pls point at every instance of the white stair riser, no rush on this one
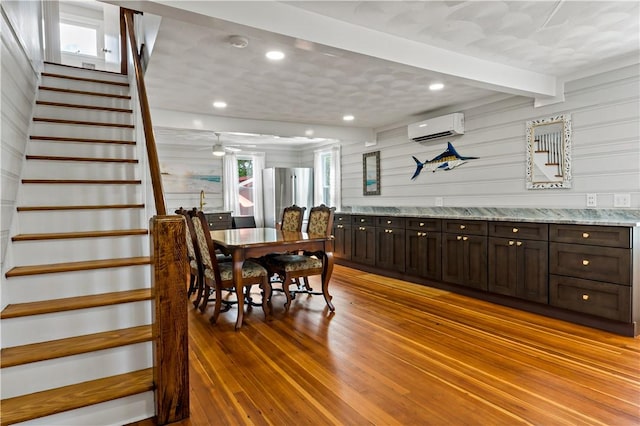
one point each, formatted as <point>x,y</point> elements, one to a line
<point>79,249</point>
<point>79,99</point>
<point>115,413</point>
<point>81,149</point>
<point>85,73</point>
<point>46,169</point>
<point>81,131</point>
<point>79,194</point>
<point>43,375</point>
<point>60,325</point>
<point>83,114</point>
<point>34,288</point>
<point>85,86</point>
<point>33,222</point>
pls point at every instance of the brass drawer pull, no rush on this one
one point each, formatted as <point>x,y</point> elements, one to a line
<point>585,235</point>
<point>511,243</point>
<point>421,223</point>
<point>585,297</point>
<point>465,238</point>
<point>462,226</point>
<point>514,230</point>
<point>519,243</point>
<point>362,228</point>
<point>340,226</point>
<point>388,222</point>
<point>585,262</point>
<point>219,217</point>
<point>362,220</point>
<point>459,237</point>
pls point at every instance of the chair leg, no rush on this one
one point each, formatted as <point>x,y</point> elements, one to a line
<point>201,289</point>
<point>286,282</point>
<point>306,284</point>
<point>192,284</point>
<point>266,297</point>
<point>205,298</point>
<point>217,304</point>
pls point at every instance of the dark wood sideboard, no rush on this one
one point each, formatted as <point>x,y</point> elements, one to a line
<point>586,274</point>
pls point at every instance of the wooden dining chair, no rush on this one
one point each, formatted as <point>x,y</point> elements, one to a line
<point>195,265</point>
<point>292,218</point>
<point>290,267</point>
<point>219,275</point>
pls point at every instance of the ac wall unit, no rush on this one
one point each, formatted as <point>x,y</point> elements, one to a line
<point>438,127</point>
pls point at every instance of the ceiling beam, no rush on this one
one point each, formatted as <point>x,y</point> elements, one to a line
<point>298,23</point>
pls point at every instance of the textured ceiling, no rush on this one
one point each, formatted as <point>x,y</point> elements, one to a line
<point>193,64</point>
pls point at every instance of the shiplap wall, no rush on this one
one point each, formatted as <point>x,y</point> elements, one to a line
<point>21,56</point>
<point>196,158</point>
<point>605,154</point>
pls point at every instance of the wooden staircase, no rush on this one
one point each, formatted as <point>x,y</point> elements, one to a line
<point>76,311</point>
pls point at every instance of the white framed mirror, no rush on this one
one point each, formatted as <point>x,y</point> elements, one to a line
<point>549,152</point>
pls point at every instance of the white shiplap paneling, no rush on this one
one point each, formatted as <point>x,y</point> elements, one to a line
<point>605,156</point>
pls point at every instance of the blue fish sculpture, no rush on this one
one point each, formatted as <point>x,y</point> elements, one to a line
<point>448,160</point>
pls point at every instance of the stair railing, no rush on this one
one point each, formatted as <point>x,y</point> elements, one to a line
<point>169,271</point>
<point>152,151</point>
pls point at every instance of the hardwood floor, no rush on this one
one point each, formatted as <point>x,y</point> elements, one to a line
<point>397,353</point>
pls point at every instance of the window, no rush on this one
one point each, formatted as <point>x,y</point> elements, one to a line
<point>245,186</point>
<point>78,39</point>
<point>326,178</point>
<point>326,164</point>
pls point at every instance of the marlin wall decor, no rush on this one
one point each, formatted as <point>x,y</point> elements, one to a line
<point>448,160</point>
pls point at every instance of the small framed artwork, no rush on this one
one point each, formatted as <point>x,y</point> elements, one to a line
<point>371,173</point>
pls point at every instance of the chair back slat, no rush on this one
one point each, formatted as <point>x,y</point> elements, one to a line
<point>191,250</point>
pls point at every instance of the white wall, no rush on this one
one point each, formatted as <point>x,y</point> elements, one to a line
<point>605,155</point>
<point>21,59</point>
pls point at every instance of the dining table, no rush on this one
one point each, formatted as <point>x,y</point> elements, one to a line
<point>246,243</point>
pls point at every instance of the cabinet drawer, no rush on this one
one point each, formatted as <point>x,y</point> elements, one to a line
<point>523,230</point>
<point>363,220</point>
<point>609,236</point>
<point>423,224</point>
<point>591,262</point>
<point>218,221</point>
<point>342,218</point>
<point>471,227</point>
<point>591,297</point>
<point>390,222</point>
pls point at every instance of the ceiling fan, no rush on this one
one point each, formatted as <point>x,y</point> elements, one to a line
<point>220,150</point>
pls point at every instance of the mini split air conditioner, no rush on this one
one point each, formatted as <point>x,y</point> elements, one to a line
<point>438,127</point>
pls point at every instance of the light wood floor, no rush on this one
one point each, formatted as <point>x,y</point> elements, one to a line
<point>396,353</point>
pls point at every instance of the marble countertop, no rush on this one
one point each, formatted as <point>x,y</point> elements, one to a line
<point>608,217</point>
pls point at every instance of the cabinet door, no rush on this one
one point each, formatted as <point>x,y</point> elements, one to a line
<point>342,241</point>
<point>364,245</point>
<point>533,270</point>
<point>452,258</point>
<point>475,261</point>
<point>422,254</point>
<point>503,273</point>
<point>390,244</point>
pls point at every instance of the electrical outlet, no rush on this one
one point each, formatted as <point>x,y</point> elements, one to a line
<point>592,200</point>
<point>439,201</point>
<point>621,200</point>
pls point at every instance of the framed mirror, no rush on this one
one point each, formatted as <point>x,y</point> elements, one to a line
<point>371,173</point>
<point>549,152</point>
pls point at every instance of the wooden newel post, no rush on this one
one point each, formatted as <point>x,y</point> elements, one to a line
<point>170,268</point>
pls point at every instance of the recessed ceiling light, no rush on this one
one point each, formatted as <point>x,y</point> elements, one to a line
<point>308,132</point>
<point>219,104</point>
<point>348,118</point>
<point>436,86</point>
<point>275,55</point>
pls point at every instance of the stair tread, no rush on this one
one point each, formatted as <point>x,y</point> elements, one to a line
<point>88,80</point>
<point>45,403</point>
<point>79,106</point>
<point>88,70</point>
<point>87,181</point>
<point>93,159</point>
<point>83,234</point>
<point>42,351</point>
<point>84,92</point>
<point>77,266</point>
<point>81,123</point>
<point>66,139</point>
<point>16,310</point>
<point>83,207</point>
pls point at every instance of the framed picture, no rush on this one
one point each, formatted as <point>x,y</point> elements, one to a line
<point>371,173</point>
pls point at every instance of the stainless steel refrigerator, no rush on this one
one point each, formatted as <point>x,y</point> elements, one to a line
<point>284,187</point>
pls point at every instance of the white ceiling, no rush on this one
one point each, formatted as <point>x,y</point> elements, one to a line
<point>491,49</point>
